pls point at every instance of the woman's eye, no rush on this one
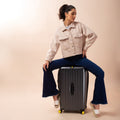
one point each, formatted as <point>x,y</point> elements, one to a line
<point>73,13</point>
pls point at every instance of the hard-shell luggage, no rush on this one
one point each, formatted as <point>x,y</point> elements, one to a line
<point>73,87</point>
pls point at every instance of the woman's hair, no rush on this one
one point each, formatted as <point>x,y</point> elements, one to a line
<point>65,8</point>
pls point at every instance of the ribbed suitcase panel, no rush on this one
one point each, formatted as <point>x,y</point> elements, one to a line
<point>73,85</point>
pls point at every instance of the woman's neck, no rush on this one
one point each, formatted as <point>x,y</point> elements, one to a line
<point>67,23</point>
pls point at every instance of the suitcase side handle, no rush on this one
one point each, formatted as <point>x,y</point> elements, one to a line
<point>71,89</point>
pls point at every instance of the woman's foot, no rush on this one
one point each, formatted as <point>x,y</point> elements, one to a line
<point>56,100</point>
<point>95,108</point>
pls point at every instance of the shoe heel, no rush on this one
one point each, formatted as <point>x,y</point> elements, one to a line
<point>96,112</point>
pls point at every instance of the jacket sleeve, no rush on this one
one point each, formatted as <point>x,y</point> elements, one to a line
<point>90,36</point>
<point>53,48</point>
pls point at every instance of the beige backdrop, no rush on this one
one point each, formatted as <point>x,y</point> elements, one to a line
<point>26,28</point>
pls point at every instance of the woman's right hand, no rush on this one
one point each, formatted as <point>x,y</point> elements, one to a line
<point>46,64</point>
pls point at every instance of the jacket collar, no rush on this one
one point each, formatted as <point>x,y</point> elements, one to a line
<point>63,27</point>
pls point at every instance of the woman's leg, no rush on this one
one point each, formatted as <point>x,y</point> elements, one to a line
<point>99,96</point>
<point>49,85</point>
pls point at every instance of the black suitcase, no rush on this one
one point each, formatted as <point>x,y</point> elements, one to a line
<point>73,87</point>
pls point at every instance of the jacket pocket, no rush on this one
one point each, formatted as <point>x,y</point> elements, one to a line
<point>61,38</point>
<point>64,41</point>
<point>78,39</point>
<point>78,35</point>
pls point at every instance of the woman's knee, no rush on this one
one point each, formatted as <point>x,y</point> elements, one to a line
<point>51,64</point>
<point>49,67</point>
<point>56,64</point>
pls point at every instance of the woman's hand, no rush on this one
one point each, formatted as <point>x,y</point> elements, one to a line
<point>84,53</point>
<point>46,64</point>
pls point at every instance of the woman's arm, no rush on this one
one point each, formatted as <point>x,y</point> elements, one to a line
<point>90,36</point>
<point>53,48</point>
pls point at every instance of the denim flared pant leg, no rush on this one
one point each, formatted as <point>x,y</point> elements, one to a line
<point>49,85</point>
<point>99,95</point>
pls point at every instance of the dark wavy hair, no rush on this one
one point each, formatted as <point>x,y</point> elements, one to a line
<point>65,8</point>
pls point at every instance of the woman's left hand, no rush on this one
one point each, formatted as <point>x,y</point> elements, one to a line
<point>84,53</point>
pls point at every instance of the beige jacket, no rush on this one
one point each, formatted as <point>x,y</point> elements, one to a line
<point>72,41</point>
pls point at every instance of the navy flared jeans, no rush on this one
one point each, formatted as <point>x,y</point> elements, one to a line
<point>49,85</point>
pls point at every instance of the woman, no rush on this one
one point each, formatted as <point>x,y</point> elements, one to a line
<point>74,38</point>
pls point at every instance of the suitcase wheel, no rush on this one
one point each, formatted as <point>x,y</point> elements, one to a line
<point>83,112</point>
<point>60,111</point>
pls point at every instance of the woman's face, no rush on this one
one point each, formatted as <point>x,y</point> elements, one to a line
<point>71,15</point>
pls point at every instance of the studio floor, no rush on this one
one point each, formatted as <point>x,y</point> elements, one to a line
<point>24,102</point>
